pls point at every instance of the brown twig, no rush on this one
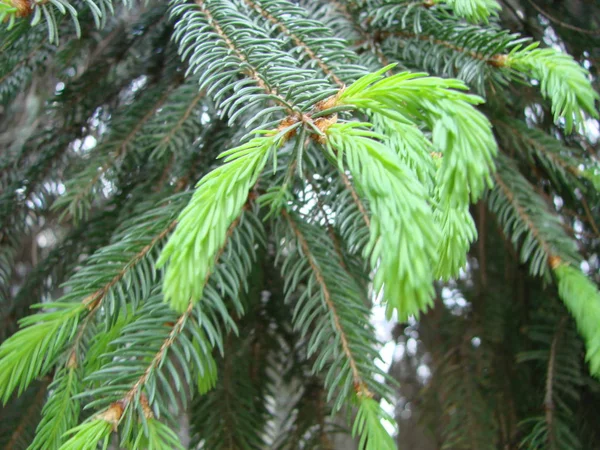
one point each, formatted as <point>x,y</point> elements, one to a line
<point>560,22</point>
<point>497,60</point>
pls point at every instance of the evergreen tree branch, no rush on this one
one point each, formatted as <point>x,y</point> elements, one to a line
<point>582,299</point>
<point>359,384</point>
<point>248,68</point>
<point>350,370</point>
<point>48,333</point>
<point>279,22</point>
<point>81,189</point>
<point>219,198</point>
<point>356,199</point>
<point>528,222</point>
<point>61,411</point>
<point>550,380</point>
<point>195,327</point>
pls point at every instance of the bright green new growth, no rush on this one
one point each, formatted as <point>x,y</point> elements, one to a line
<point>61,410</point>
<point>202,226</point>
<point>89,435</point>
<point>457,234</point>
<point>459,131</point>
<point>474,10</point>
<point>582,299</point>
<point>562,80</point>
<point>31,351</point>
<point>402,219</point>
<point>159,436</point>
<point>369,425</point>
<point>411,145</point>
<point>465,141</point>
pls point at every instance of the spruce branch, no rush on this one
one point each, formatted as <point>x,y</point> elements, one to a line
<point>401,218</point>
<point>221,55</point>
<point>561,162</point>
<point>558,348</point>
<point>527,221</point>
<point>42,334</point>
<point>562,80</point>
<point>494,60</point>
<point>203,224</point>
<point>549,405</point>
<point>81,189</point>
<point>189,336</point>
<point>248,68</point>
<point>457,127</point>
<point>359,385</point>
<point>472,10</point>
<point>47,10</point>
<point>582,299</point>
<point>324,310</point>
<point>62,408</point>
<point>47,334</point>
<point>273,9</point>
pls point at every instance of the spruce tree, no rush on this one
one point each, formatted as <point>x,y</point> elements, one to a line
<point>206,205</point>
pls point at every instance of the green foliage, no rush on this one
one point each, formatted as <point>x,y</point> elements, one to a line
<point>562,80</point>
<point>457,128</point>
<point>51,13</point>
<point>561,163</point>
<point>534,230</point>
<point>61,411</point>
<point>89,435</point>
<point>203,224</point>
<point>32,351</point>
<point>401,219</point>
<point>474,10</point>
<point>347,189</point>
<point>558,348</point>
<point>157,436</point>
<point>350,367</point>
<point>458,233</point>
<point>582,299</point>
<point>369,425</point>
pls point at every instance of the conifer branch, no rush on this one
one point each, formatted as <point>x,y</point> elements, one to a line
<point>306,48</point>
<point>248,69</point>
<point>370,39</point>
<point>495,60</point>
<point>82,192</point>
<point>550,381</point>
<point>356,199</point>
<point>93,302</point>
<point>523,215</point>
<point>359,385</point>
<point>177,126</point>
<point>177,328</point>
<point>330,229</point>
